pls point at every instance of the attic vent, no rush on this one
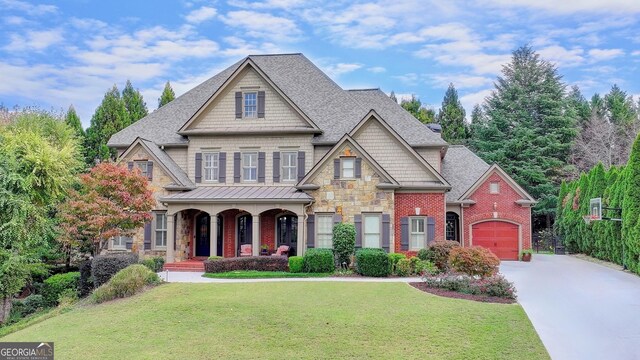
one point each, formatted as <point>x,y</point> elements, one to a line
<point>436,128</point>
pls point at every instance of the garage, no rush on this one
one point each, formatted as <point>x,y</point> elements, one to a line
<point>498,236</point>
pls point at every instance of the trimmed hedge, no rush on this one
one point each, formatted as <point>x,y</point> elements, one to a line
<point>344,242</point>
<point>319,261</point>
<point>474,260</point>
<point>154,264</point>
<point>258,263</point>
<point>85,284</point>
<point>296,264</point>
<point>126,282</point>
<point>372,262</point>
<point>103,267</point>
<point>57,284</point>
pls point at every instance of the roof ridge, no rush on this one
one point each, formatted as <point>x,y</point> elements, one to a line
<point>279,54</point>
<point>365,89</point>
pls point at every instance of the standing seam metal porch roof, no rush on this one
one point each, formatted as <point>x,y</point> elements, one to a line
<point>240,194</point>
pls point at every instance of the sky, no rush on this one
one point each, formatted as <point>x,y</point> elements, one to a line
<point>57,53</point>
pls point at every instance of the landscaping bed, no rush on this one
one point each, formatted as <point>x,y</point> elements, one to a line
<point>458,295</point>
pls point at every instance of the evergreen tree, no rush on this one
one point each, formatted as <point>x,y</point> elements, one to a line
<point>167,95</point>
<point>619,106</point>
<point>110,117</point>
<point>578,105</point>
<point>414,106</point>
<point>73,121</point>
<point>597,105</point>
<point>393,97</point>
<point>134,103</point>
<point>631,211</point>
<point>451,117</point>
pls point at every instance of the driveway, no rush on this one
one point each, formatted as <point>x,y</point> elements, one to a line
<point>580,309</point>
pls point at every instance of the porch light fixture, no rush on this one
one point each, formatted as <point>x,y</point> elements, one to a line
<point>417,211</point>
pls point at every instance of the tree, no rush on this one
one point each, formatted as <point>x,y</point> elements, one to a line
<point>393,97</point>
<point>167,95</point>
<point>414,106</point>
<point>73,121</point>
<point>578,105</point>
<point>134,103</point>
<point>631,211</point>
<point>110,117</point>
<point>452,117</point>
<point>111,201</point>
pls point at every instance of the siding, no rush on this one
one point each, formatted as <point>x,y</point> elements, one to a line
<point>179,156</point>
<point>433,157</point>
<point>319,152</point>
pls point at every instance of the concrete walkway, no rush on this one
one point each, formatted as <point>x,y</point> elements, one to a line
<point>196,277</point>
<point>580,309</point>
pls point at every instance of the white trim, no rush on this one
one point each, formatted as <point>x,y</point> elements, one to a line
<point>242,166</point>
<point>317,215</point>
<point>244,104</point>
<point>497,169</point>
<point>424,231</point>
<point>295,166</point>
<point>364,232</point>
<point>216,169</point>
<point>353,161</point>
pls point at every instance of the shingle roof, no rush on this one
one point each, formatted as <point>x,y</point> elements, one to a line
<point>462,168</point>
<point>174,169</point>
<point>240,193</point>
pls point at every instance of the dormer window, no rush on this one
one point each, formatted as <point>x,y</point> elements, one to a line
<point>250,102</point>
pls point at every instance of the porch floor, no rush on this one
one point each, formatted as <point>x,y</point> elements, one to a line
<point>187,265</point>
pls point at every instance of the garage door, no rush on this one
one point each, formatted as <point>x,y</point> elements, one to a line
<point>499,237</point>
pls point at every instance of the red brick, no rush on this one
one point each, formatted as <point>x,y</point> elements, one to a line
<point>430,204</point>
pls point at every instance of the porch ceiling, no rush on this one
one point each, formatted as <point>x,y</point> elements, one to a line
<point>239,194</point>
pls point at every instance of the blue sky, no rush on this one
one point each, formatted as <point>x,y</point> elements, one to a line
<point>57,53</point>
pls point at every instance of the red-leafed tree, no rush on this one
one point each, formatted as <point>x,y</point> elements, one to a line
<point>111,201</point>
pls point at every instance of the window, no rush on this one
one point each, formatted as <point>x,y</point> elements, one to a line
<point>120,242</point>
<point>348,165</point>
<point>250,166</point>
<point>250,105</point>
<point>161,230</point>
<point>418,235</point>
<point>494,188</point>
<point>371,231</point>
<point>143,166</point>
<point>451,227</point>
<point>211,166</point>
<point>289,165</point>
<point>324,232</point>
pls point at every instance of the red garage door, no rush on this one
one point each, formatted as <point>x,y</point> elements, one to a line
<point>498,236</point>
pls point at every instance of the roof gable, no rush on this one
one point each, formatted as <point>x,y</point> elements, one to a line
<point>462,168</point>
<point>496,169</point>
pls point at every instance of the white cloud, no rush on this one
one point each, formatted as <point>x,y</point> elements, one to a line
<point>574,6</point>
<point>31,9</point>
<point>604,54</point>
<point>376,69</point>
<point>202,14</point>
<point>562,56</point>
<point>636,53</point>
<point>408,78</point>
<point>34,40</point>
<point>270,4</point>
<point>460,81</point>
<point>470,100</point>
<point>263,25</point>
<point>14,20</point>
<point>340,68</point>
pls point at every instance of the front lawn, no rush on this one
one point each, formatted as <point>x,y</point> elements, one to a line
<point>289,320</point>
<point>253,274</point>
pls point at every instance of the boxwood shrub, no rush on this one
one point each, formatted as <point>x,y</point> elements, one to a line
<point>372,262</point>
<point>318,261</point>
<point>258,263</point>
<point>296,264</point>
<point>154,264</point>
<point>57,284</point>
<point>126,282</point>
<point>103,267</point>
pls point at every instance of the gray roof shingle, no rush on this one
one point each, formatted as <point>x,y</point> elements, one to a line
<point>462,168</point>
<point>173,168</point>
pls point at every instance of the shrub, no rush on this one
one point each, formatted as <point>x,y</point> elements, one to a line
<point>296,264</point>
<point>318,261</point>
<point>403,267</point>
<point>103,267</point>
<point>126,282</point>
<point>85,285</point>
<point>258,263</point>
<point>424,267</point>
<point>344,242</point>
<point>474,260</point>
<point>214,258</point>
<point>495,285</point>
<point>423,254</point>
<point>27,306</point>
<point>56,284</point>
<point>449,281</point>
<point>372,262</point>
<point>67,297</point>
<point>393,260</point>
<point>438,253</point>
<point>155,264</point>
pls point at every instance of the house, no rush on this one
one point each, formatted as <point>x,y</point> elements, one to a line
<point>272,152</point>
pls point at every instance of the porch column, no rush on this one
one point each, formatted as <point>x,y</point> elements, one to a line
<point>170,239</point>
<point>255,240</point>
<point>213,235</point>
<point>302,243</point>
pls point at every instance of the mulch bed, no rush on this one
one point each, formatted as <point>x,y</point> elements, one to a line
<point>456,295</point>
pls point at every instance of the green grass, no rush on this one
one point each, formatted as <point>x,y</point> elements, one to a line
<point>253,274</point>
<point>289,320</point>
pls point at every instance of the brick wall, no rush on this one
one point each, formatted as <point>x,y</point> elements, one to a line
<point>268,228</point>
<point>430,204</point>
<point>229,232</point>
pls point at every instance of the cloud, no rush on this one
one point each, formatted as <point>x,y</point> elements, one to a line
<point>376,69</point>
<point>262,25</point>
<point>460,81</point>
<point>604,54</point>
<point>411,79</point>
<point>34,40</point>
<point>471,99</point>
<point>270,4</point>
<point>202,14</point>
<point>636,53</point>
<point>573,6</point>
<point>560,55</point>
<point>340,68</point>
<point>31,9</point>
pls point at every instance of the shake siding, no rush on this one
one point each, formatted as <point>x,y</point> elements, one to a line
<point>222,113</point>
<point>433,157</point>
<point>319,152</point>
<point>179,156</point>
<point>267,144</point>
<point>391,155</point>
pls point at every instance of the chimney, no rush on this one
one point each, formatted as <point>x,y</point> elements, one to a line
<point>436,128</point>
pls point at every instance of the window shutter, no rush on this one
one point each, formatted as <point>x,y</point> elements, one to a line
<point>301,169</point>
<point>222,167</point>
<point>386,231</point>
<point>261,166</point>
<point>260,104</point>
<point>358,168</point>
<point>198,167</point>
<point>236,167</point>
<point>147,235</point>
<point>130,165</point>
<point>337,219</point>
<point>404,233</point>
<point>238,104</point>
<point>431,229</point>
<point>311,231</point>
<point>276,166</point>
<point>129,244</point>
<point>357,220</point>
<point>150,170</point>
<point>336,168</point>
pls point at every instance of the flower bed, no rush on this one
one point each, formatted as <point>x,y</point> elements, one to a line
<point>492,286</point>
<point>458,295</point>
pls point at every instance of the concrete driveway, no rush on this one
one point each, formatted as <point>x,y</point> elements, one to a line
<point>580,309</point>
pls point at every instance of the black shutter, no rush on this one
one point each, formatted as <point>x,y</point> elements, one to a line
<point>147,235</point>
<point>276,166</point>
<point>261,166</point>
<point>236,167</point>
<point>311,231</point>
<point>357,220</point>
<point>222,169</point>
<point>336,168</point>
<point>260,104</point>
<point>238,105</point>
<point>130,165</point>
<point>198,167</point>
<point>301,169</point>
<point>150,170</point>
<point>431,229</point>
<point>404,233</point>
<point>386,231</point>
<point>358,168</point>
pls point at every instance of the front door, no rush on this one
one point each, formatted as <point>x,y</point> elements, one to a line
<point>287,232</point>
<point>203,241</point>
<point>245,233</point>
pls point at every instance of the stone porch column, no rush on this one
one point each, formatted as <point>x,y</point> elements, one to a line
<point>255,230</point>
<point>213,235</point>
<point>170,239</point>
<point>301,240</point>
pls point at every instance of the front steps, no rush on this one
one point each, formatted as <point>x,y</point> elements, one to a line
<point>189,265</point>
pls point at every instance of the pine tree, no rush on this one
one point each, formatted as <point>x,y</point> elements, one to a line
<point>578,105</point>
<point>72,119</point>
<point>110,117</point>
<point>451,117</point>
<point>631,211</point>
<point>393,97</point>
<point>414,106</point>
<point>167,95</point>
<point>134,103</point>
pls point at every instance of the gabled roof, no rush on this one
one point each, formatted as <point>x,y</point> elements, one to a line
<point>495,168</point>
<point>331,154</point>
<point>181,180</point>
<point>462,168</point>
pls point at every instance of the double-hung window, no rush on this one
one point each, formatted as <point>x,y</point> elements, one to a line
<point>250,104</point>
<point>371,225</point>
<point>143,166</point>
<point>418,235</point>
<point>120,242</point>
<point>347,166</point>
<point>289,165</point>
<point>161,230</point>
<point>250,166</point>
<point>211,167</point>
<point>324,231</point>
